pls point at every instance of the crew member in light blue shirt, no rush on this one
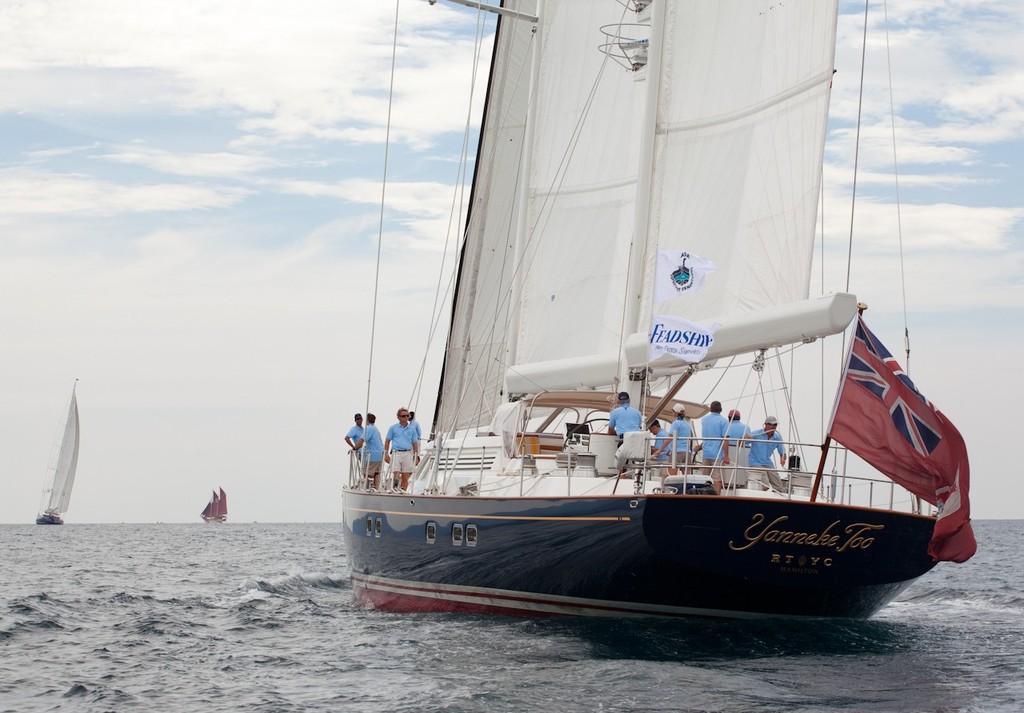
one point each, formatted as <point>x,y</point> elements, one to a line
<point>661,443</point>
<point>713,427</point>
<point>734,450</point>
<point>415,424</point>
<point>373,451</point>
<point>624,418</point>
<point>682,431</point>
<point>736,430</point>
<point>355,433</point>
<point>764,442</point>
<point>659,451</point>
<point>402,442</point>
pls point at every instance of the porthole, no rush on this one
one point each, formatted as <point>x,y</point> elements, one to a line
<point>471,535</point>
<point>457,534</point>
<point>431,532</point>
<point>369,526</point>
<point>378,527</point>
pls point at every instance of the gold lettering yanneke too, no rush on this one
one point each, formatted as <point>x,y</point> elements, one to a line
<point>855,536</point>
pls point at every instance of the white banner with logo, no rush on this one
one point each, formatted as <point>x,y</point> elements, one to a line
<point>677,273</point>
<point>679,338</point>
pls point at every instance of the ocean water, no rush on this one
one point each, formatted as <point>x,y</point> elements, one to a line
<point>260,617</point>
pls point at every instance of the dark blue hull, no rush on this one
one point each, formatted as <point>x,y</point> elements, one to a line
<point>49,519</point>
<point>659,555</point>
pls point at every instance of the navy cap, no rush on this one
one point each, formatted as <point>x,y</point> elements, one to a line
<point>359,417</point>
<point>623,396</point>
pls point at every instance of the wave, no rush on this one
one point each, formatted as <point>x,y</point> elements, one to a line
<point>999,601</point>
<point>294,584</point>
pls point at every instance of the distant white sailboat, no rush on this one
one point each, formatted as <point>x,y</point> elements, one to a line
<point>59,481</point>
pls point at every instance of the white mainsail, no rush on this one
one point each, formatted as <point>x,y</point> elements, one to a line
<point>714,147</point>
<point>67,464</point>
<point>740,133</point>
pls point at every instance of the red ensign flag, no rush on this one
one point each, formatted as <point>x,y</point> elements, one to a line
<point>882,417</point>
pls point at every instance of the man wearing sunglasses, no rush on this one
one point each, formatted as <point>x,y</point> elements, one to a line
<point>402,442</point>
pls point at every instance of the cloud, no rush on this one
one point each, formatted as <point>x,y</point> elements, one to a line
<point>26,191</point>
<point>322,72</point>
<point>221,164</point>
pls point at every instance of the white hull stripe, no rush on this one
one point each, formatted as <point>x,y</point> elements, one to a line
<point>530,602</point>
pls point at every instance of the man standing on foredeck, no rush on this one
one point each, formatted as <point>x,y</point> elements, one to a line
<point>354,434</point>
<point>403,442</point>
<point>373,449</point>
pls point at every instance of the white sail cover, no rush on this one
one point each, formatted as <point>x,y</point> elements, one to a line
<point>738,117</point>
<point>67,463</point>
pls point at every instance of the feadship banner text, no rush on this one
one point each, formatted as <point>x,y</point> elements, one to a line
<point>680,338</point>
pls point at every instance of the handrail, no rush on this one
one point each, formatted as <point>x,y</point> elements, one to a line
<point>465,464</point>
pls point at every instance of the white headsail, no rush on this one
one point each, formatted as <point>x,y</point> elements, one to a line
<point>67,464</point>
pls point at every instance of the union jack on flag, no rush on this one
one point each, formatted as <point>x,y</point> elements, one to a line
<point>882,417</point>
<point>916,426</point>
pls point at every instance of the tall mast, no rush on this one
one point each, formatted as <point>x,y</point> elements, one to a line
<point>640,247</point>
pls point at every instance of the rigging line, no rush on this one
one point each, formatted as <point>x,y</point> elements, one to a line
<point>456,210</point>
<point>856,161</point>
<point>821,266</point>
<point>725,370</point>
<point>787,391</point>
<point>856,144</point>
<point>383,189</point>
<point>896,177</point>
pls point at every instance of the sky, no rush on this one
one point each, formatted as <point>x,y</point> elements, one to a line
<point>190,207</point>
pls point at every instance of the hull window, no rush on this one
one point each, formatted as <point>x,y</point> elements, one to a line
<point>457,534</point>
<point>471,535</point>
<point>378,526</point>
<point>369,526</point>
<point>431,532</point>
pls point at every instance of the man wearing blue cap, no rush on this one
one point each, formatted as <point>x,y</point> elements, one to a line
<point>355,433</point>
<point>624,418</point>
